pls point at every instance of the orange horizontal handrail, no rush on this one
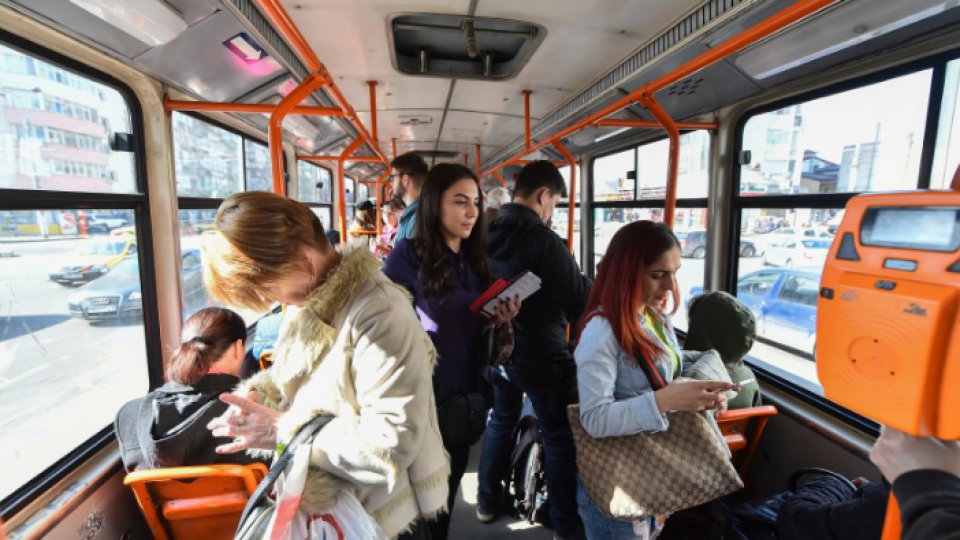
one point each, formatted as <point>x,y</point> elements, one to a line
<point>642,124</point>
<point>778,21</point>
<point>181,105</point>
<point>356,159</point>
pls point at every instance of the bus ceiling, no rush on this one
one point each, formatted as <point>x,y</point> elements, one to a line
<point>252,53</point>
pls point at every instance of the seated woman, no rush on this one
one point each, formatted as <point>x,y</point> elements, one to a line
<point>391,223</point>
<point>364,225</point>
<point>625,323</point>
<point>168,427</point>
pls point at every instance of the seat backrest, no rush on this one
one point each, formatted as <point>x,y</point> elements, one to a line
<point>742,429</point>
<point>197,502</point>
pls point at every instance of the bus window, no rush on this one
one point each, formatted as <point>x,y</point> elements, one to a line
<point>208,159</point>
<point>946,153</point>
<point>561,215</point>
<point>314,183</point>
<point>60,122</point>
<point>693,169</point>
<point>611,174</point>
<point>257,166</point>
<point>853,141</point>
<point>72,338</point>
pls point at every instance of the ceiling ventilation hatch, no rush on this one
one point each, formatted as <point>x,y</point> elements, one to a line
<point>462,47</point>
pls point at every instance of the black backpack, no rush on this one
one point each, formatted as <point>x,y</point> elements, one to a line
<point>528,478</point>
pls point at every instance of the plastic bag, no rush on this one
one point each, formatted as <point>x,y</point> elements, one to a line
<point>345,520</point>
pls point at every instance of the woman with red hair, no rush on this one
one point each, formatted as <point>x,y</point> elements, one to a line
<point>626,324</point>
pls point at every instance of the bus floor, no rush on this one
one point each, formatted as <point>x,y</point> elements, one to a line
<point>464,524</point>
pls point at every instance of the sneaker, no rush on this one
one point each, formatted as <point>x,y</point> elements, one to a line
<point>486,515</point>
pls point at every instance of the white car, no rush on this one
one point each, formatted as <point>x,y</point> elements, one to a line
<point>795,251</point>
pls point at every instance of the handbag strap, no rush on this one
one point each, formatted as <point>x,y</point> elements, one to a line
<point>305,432</point>
<point>651,371</point>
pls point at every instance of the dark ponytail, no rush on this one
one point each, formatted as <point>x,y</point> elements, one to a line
<point>207,334</point>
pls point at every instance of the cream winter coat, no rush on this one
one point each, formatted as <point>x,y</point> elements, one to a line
<point>356,350</point>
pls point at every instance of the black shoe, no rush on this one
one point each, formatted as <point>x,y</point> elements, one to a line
<point>486,515</point>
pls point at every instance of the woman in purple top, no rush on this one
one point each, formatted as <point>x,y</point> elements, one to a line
<point>445,269</point>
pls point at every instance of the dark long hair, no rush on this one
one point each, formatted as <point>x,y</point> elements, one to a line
<point>617,292</point>
<point>429,242</point>
<point>207,334</point>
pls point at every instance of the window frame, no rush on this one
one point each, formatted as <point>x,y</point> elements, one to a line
<point>738,203</point>
<point>318,204</point>
<point>138,203</point>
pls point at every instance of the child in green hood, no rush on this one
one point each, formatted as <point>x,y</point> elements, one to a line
<point>719,321</point>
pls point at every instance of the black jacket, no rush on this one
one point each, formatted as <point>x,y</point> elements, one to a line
<point>929,505</point>
<point>168,427</point>
<point>516,241</point>
<point>826,508</point>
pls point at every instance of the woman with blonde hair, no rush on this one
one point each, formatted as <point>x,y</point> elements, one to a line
<point>349,346</point>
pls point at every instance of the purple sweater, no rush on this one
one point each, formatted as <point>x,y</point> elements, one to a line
<point>454,329</point>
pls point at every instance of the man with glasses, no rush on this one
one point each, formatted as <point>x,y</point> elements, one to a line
<point>409,172</point>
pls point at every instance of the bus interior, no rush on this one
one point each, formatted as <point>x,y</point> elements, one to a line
<point>746,125</point>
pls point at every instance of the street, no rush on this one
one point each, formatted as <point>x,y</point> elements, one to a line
<point>62,379</point>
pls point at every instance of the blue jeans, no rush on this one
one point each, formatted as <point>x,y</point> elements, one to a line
<point>559,451</point>
<point>600,527</point>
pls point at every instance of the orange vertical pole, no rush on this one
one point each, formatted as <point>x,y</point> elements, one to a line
<point>478,161</point>
<point>313,82</point>
<point>342,187</point>
<point>571,195</point>
<point>373,109</point>
<point>526,118</point>
<point>500,178</point>
<point>394,140</point>
<point>465,158</point>
<point>670,205</point>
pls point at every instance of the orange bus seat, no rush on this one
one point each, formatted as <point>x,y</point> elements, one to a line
<point>202,502</point>
<point>742,429</point>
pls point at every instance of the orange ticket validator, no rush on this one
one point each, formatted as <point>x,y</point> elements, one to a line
<point>888,329</point>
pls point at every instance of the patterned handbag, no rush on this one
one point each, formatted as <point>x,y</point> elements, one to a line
<point>637,476</point>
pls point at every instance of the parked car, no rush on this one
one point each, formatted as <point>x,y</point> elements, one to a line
<point>784,302</point>
<point>794,251</point>
<point>118,294</point>
<point>92,259</point>
<point>104,223</point>
<point>694,244</point>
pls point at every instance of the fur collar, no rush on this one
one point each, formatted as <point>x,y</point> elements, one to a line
<point>309,333</point>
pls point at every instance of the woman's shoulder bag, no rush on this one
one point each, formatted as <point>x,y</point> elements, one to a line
<point>636,476</point>
<point>255,520</point>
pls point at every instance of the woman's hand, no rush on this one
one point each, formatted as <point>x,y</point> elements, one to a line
<point>683,394</point>
<point>249,423</point>
<point>507,310</point>
<point>896,453</point>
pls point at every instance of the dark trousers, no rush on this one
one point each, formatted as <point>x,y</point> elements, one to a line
<point>542,388</point>
<point>459,456</point>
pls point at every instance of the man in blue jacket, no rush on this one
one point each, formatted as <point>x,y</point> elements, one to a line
<point>409,172</point>
<point>542,365</point>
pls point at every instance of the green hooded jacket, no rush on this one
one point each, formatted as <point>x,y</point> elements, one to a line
<point>719,321</point>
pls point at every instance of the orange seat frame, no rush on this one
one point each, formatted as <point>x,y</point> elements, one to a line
<point>742,429</point>
<point>196,502</point>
